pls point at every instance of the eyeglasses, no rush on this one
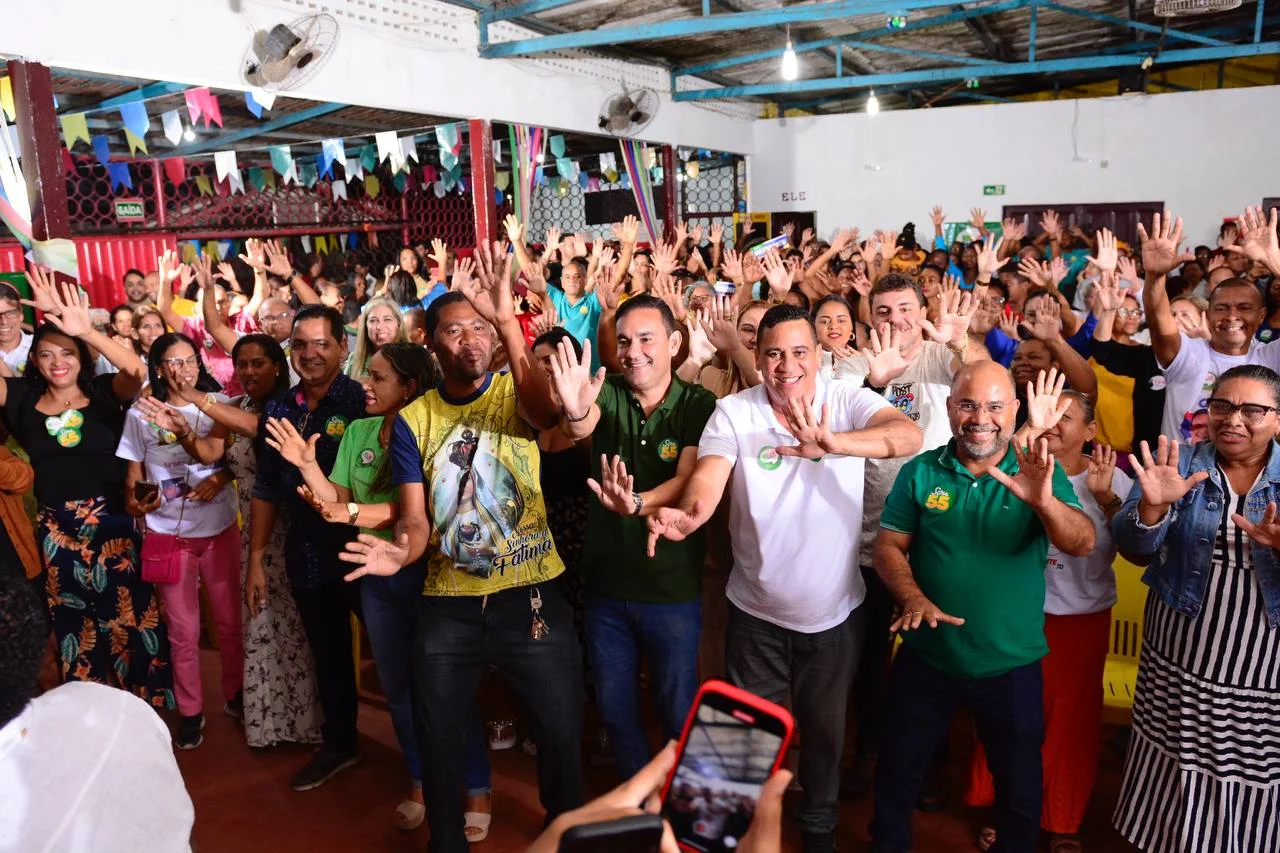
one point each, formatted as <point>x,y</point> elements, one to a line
<point>1251,413</point>
<point>994,302</point>
<point>175,363</point>
<point>275,318</point>
<point>1126,313</point>
<point>10,316</point>
<point>972,407</point>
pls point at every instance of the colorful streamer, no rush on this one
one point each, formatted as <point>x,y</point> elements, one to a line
<point>526,145</point>
<point>634,157</point>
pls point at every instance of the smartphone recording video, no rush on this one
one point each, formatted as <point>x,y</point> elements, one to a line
<point>732,743</point>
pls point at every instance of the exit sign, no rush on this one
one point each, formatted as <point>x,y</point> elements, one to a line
<point>993,189</point>
<point>130,210</point>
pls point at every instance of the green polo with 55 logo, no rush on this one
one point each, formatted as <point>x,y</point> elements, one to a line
<point>979,553</point>
<point>615,562</point>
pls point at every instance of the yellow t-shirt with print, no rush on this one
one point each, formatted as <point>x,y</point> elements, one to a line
<point>480,468</point>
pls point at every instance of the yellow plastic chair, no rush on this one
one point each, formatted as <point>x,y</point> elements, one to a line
<point>1121,674</point>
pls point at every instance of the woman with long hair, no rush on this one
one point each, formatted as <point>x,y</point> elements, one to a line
<point>106,618</point>
<point>735,349</point>
<point>381,323</point>
<point>358,490</point>
<point>280,699</point>
<point>191,531</point>
<point>121,328</point>
<point>148,324</point>
<point>833,318</point>
<point>402,289</point>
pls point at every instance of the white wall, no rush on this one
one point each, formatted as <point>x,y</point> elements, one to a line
<point>1205,154</point>
<point>395,54</point>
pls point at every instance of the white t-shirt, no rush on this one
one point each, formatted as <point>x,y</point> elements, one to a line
<point>794,522</point>
<point>16,358</point>
<point>921,394</point>
<point>177,472</point>
<point>1189,379</point>
<point>87,768</point>
<point>1087,584</point>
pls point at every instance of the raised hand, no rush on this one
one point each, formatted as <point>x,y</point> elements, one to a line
<point>1051,223</point>
<point>720,321</point>
<point>162,415</point>
<point>1047,326</point>
<point>1012,230</point>
<point>843,239</point>
<point>1194,327</point>
<point>515,230</point>
<point>41,284</point>
<point>1127,270</point>
<point>285,439</point>
<point>572,380</point>
<point>1267,531</point>
<point>695,234</point>
<point>1008,326</point>
<point>1102,468</point>
<point>1045,403</point>
<point>546,321</point>
<point>278,259</point>
<point>255,254</point>
<point>788,231</point>
<point>1109,294</point>
<point>885,361</point>
<point>1215,262</point>
<point>1257,236</point>
<point>1037,272</point>
<point>664,258</point>
<point>955,312</point>
<point>439,254</point>
<point>1162,483</point>
<point>717,234</point>
<point>777,274</point>
<point>608,287</point>
<point>989,257</point>
<point>937,216</point>
<point>1160,248</point>
<point>1107,254</point>
<point>203,269</point>
<point>627,230</point>
<point>375,555</point>
<point>464,272</point>
<point>70,311</point>
<point>919,610</point>
<point>663,287</point>
<point>616,487</point>
<point>1057,272</point>
<point>552,242</point>
<point>813,433</point>
<point>490,291</point>
<point>978,218</point>
<point>1033,483</point>
<point>807,236</point>
<point>579,243</point>
<point>731,265</point>
<point>674,524</point>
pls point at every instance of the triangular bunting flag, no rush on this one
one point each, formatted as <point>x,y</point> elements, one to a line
<point>387,144</point>
<point>281,158</point>
<point>252,105</point>
<point>269,178</point>
<point>68,162</point>
<point>556,143</point>
<point>409,148</point>
<point>6,99</point>
<point>102,149</point>
<point>502,180</point>
<point>195,104</point>
<point>324,168</point>
<point>372,186</point>
<point>262,97</point>
<point>692,169</point>
<point>354,169</point>
<point>307,175</point>
<point>447,138</point>
<point>583,179</point>
<point>172,126</point>
<point>448,159</point>
<point>333,150</point>
<point>438,189</point>
<point>203,185</point>
<point>235,181</point>
<point>136,118</point>
<point>401,180</point>
<point>256,179</point>
<point>224,163</point>
<point>175,169</point>
<point>369,157</point>
<point>429,173</point>
<point>322,245</point>
<point>306,244</point>
<point>136,143</point>
<point>120,176</point>
<point>339,190</point>
<point>498,197</point>
<point>497,151</point>
<point>74,128</point>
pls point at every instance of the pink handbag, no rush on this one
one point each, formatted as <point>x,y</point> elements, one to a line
<point>160,563</point>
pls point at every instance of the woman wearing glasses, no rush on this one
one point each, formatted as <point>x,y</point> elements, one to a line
<point>380,324</point>
<point>1203,769</point>
<point>191,531</point>
<point>106,619</point>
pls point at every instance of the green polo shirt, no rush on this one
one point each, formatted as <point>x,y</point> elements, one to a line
<point>978,553</point>
<point>615,562</point>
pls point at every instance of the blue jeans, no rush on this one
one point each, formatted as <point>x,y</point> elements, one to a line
<point>390,607</point>
<point>618,633</point>
<point>1009,712</point>
<point>457,638</point>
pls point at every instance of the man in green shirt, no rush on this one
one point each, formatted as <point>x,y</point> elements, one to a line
<point>962,547</point>
<point>644,426</point>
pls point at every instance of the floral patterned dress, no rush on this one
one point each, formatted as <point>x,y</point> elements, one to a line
<point>280,699</point>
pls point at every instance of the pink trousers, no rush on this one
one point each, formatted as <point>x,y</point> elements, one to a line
<point>216,560</point>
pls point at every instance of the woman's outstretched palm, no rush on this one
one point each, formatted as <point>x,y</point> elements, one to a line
<point>1162,482</point>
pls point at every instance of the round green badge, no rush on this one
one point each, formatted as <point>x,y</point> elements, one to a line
<point>668,450</point>
<point>768,459</point>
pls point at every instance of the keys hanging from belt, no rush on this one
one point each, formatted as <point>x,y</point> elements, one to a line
<point>538,627</point>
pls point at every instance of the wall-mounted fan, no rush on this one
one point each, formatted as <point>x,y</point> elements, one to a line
<point>288,55</point>
<point>628,113</point>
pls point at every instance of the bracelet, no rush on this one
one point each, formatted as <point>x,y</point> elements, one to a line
<point>207,402</point>
<point>565,413</point>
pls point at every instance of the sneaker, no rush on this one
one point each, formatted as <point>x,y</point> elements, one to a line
<point>190,732</point>
<point>235,706</point>
<point>322,767</point>
<point>819,842</point>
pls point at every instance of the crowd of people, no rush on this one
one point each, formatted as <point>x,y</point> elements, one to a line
<point>606,471</point>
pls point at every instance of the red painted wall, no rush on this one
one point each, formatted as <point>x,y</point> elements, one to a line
<point>103,262</point>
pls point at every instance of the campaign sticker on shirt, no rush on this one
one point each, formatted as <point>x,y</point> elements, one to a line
<point>668,450</point>
<point>584,310</point>
<point>1157,382</point>
<point>768,458</point>
<point>335,426</point>
<point>366,457</point>
<point>939,499</point>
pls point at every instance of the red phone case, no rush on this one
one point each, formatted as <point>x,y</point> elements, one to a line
<point>737,695</point>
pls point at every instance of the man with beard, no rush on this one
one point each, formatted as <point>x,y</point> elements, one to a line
<point>320,406</point>
<point>793,448</point>
<point>465,458</point>
<point>644,425</point>
<point>964,537</point>
<point>137,290</point>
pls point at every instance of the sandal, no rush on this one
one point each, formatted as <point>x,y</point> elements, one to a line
<point>410,815</point>
<point>1065,844</point>
<point>986,838</point>
<point>476,824</point>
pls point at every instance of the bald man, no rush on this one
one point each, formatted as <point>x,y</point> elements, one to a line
<point>275,318</point>
<point>962,546</point>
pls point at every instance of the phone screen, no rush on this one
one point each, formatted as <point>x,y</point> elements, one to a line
<point>777,243</point>
<point>730,751</point>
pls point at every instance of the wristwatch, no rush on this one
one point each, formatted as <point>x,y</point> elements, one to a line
<point>353,512</point>
<point>638,501</point>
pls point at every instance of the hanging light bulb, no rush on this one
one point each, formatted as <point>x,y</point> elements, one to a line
<point>189,135</point>
<point>790,64</point>
<point>873,103</point>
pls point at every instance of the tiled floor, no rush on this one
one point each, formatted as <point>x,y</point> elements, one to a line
<point>244,805</point>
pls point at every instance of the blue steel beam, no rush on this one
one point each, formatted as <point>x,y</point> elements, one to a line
<point>922,54</point>
<point>1031,41</point>
<point>1216,32</point>
<point>924,23</point>
<point>1011,69</point>
<point>1134,25</point>
<point>1257,21</point>
<point>520,10</point>
<point>222,140</point>
<point>704,25</point>
<point>146,93</point>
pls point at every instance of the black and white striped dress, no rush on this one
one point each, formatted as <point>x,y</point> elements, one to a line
<point>1203,770</point>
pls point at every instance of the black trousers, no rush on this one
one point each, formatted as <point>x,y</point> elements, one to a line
<point>326,611</point>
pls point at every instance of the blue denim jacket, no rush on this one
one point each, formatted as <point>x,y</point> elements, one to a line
<point>1181,545</point>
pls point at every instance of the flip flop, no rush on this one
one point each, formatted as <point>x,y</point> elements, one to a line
<point>986,838</point>
<point>476,821</point>
<point>410,815</point>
